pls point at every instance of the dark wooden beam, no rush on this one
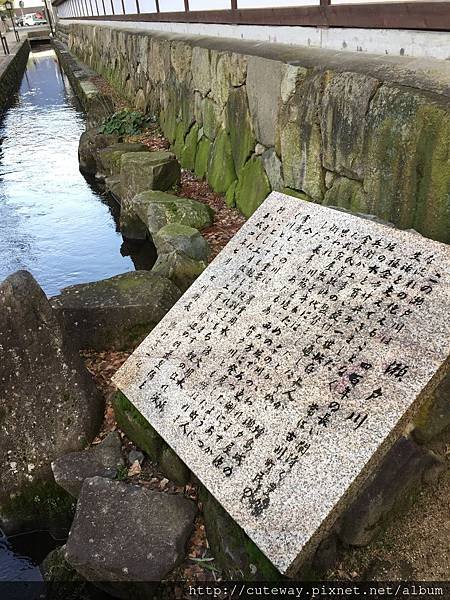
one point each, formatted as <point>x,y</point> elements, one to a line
<point>393,15</point>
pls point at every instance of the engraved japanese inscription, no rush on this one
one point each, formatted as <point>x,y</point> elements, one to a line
<point>292,361</point>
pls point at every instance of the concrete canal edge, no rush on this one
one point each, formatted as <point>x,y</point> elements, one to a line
<point>94,102</point>
<point>12,68</point>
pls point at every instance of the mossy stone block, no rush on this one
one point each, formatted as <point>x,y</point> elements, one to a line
<point>240,127</point>
<point>183,239</point>
<point>137,428</point>
<point>179,139</point>
<point>230,196</point>
<point>141,433</point>
<point>173,467</point>
<point>346,193</point>
<point>202,157</point>
<point>221,173</point>
<point>179,268</point>
<point>235,553</point>
<point>189,150</point>
<point>253,187</point>
<point>296,194</point>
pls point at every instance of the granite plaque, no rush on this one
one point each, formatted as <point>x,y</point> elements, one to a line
<point>289,367</point>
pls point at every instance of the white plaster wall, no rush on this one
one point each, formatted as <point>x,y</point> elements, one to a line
<point>431,44</point>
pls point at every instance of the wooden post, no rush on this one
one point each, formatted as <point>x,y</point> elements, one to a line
<point>186,5</point>
<point>137,7</point>
<point>157,6</point>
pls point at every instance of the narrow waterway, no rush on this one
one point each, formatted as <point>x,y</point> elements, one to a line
<point>52,222</point>
<point>57,226</point>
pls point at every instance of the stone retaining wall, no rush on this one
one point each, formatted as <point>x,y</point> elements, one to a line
<point>12,68</point>
<point>367,133</point>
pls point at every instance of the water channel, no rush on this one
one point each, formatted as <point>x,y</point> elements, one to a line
<point>53,223</point>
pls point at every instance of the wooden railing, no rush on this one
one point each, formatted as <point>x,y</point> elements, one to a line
<point>382,15</point>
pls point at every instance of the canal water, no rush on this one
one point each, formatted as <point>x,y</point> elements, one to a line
<point>57,226</point>
<point>52,221</point>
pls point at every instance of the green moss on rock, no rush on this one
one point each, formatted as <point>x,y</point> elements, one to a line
<point>253,187</point>
<point>189,150</point>
<point>296,194</point>
<point>40,505</point>
<point>202,157</point>
<point>240,127</point>
<point>136,427</point>
<point>233,550</point>
<point>221,173</point>
<point>173,467</point>
<point>346,193</point>
<point>139,431</point>
<point>230,196</point>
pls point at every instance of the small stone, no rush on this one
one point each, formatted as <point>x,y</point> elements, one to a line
<point>259,149</point>
<point>135,455</point>
<point>102,460</point>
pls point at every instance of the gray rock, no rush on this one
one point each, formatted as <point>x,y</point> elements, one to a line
<point>182,239</point>
<point>91,141</point>
<point>102,460</point>
<point>117,312</point>
<point>109,158</point>
<point>141,171</point>
<point>135,455</point>
<point>400,472</point>
<point>273,167</point>
<point>179,268</point>
<point>264,92</point>
<point>113,186</point>
<point>157,209</point>
<point>127,533</point>
<point>49,405</point>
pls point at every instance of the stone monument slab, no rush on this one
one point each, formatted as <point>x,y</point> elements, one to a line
<point>290,366</point>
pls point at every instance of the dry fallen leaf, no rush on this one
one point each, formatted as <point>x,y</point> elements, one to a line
<point>135,469</point>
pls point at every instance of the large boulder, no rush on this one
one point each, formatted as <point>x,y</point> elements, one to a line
<point>109,157</point>
<point>49,405</point>
<point>126,533</point>
<point>102,460</point>
<point>114,313</point>
<point>157,209</point>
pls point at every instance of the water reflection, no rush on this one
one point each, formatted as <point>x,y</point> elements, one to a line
<point>52,221</point>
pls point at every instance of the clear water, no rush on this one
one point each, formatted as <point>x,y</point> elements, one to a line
<point>52,222</point>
